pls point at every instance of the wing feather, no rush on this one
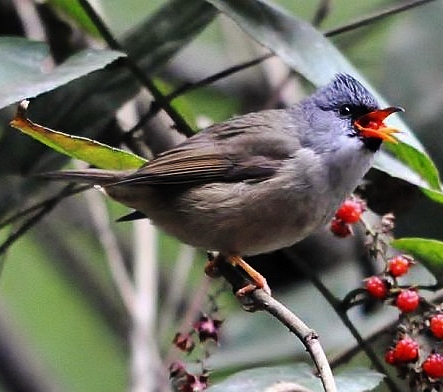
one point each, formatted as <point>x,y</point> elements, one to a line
<point>246,148</point>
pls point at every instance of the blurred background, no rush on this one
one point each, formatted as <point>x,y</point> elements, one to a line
<point>63,323</point>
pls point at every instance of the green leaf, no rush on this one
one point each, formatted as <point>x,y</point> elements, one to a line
<point>436,196</point>
<point>428,251</point>
<point>300,374</point>
<point>310,53</point>
<point>419,161</point>
<point>389,164</point>
<point>25,68</point>
<point>90,151</point>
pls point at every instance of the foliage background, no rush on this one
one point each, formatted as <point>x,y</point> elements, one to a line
<point>62,320</point>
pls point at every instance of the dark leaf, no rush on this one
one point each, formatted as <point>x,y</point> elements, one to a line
<point>26,71</point>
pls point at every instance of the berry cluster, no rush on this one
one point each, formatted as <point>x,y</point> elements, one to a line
<point>417,349</point>
<point>348,214</point>
<point>386,285</point>
<point>207,329</point>
<point>416,354</point>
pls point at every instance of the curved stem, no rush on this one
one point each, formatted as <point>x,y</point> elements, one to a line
<point>260,300</point>
<point>306,334</point>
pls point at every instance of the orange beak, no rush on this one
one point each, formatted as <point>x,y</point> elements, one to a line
<point>371,124</point>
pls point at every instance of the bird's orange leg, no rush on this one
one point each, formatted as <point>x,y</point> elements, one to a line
<point>258,280</point>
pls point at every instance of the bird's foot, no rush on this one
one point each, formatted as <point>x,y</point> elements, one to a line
<point>243,284</point>
<point>258,281</point>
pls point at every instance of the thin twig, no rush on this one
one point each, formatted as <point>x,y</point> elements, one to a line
<point>378,16</point>
<point>260,300</point>
<point>187,87</point>
<point>181,124</point>
<point>46,207</point>
<point>307,335</point>
<point>66,192</point>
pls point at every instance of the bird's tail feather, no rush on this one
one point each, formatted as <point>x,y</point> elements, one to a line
<point>88,176</point>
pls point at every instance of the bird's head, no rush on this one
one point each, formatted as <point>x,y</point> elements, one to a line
<point>348,108</point>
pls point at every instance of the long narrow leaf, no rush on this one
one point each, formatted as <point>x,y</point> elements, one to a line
<point>87,150</point>
<point>25,70</point>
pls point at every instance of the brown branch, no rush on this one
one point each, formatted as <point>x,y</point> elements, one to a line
<point>260,300</point>
<point>306,335</point>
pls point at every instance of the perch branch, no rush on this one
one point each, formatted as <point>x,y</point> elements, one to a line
<point>260,300</point>
<point>306,335</point>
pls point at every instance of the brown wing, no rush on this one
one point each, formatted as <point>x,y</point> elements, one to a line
<point>246,148</point>
<point>180,167</point>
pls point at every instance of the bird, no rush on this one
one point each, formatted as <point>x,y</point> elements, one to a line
<point>257,182</point>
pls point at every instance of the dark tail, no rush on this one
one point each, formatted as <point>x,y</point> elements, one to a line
<point>87,176</point>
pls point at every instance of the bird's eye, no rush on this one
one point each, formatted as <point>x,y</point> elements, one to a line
<point>346,111</point>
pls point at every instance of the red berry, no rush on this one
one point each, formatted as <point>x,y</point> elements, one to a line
<point>350,211</point>
<point>436,325</point>
<point>406,350</point>
<point>377,287</point>
<point>433,365</point>
<point>390,357</point>
<point>398,266</point>
<point>340,229</point>
<point>407,301</point>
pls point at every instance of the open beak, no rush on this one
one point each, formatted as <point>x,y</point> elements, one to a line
<point>371,124</point>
